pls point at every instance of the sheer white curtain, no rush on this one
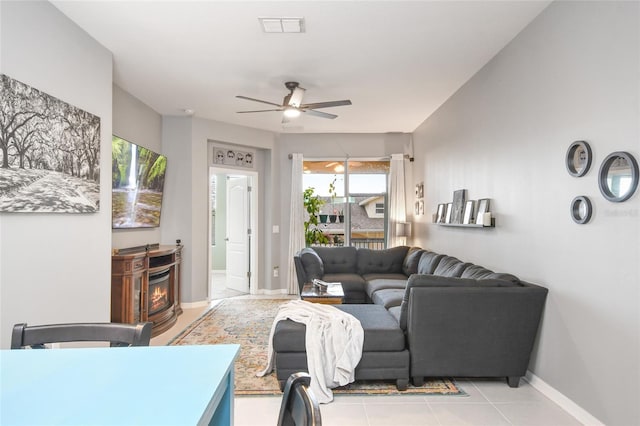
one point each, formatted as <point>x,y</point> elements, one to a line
<point>397,205</point>
<point>296,224</point>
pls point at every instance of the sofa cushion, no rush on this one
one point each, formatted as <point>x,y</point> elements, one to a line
<point>503,276</point>
<point>476,272</point>
<point>381,331</point>
<point>380,284</point>
<point>439,281</point>
<point>353,286</point>
<point>428,262</point>
<point>337,259</point>
<point>385,277</point>
<point>395,312</point>
<point>411,260</point>
<point>381,261</point>
<point>388,297</point>
<point>312,263</point>
<point>450,266</point>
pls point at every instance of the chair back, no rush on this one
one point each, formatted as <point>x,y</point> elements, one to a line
<point>117,334</point>
<point>299,404</point>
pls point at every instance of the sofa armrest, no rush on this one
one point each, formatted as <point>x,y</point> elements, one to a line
<point>473,331</point>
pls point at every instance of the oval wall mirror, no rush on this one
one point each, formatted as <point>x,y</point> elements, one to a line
<point>618,177</point>
<point>578,159</point>
<point>581,210</point>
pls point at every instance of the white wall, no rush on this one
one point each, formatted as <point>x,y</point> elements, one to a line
<point>573,74</point>
<point>56,267</point>
<point>138,123</point>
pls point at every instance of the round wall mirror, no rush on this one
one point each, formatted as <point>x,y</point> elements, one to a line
<point>618,177</point>
<point>581,210</point>
<point>578,158</point>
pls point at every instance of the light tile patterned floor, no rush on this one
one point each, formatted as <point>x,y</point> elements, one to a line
<point>490,402</point>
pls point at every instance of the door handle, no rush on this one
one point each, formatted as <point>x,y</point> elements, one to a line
<point>226,239</point>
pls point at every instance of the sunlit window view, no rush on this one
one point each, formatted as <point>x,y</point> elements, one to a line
<point>353,198</point>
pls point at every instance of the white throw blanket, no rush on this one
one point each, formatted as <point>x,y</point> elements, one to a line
<point>333,341</point>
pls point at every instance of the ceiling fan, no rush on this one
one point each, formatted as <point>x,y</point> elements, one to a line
<point>292,105</point>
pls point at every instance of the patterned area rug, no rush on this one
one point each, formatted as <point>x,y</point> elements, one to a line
<point>247,322</point>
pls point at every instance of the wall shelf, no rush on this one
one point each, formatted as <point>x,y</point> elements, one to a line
<point>469,225</point>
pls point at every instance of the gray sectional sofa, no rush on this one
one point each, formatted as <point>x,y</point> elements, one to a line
<point>424,314</point>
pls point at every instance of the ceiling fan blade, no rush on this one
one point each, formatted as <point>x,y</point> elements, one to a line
<point>259,110</point>
<point>326,104</point>
<point>319,114</point>
<point>296,97</point>
<point>257,100</point>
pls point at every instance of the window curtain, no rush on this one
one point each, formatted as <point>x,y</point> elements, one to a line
<point>397,205</point>
<point>296,224</point>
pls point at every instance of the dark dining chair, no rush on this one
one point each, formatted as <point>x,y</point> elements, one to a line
<point>299,404</point>
<point>37,336</point>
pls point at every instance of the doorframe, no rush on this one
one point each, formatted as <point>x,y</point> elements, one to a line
<point>253,223</point>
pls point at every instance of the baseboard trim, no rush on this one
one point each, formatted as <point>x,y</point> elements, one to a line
<point>582,415</point>
<point>191,305</point>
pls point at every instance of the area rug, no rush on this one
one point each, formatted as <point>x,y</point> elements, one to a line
<point>247,322</point>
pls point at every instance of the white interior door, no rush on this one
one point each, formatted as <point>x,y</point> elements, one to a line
<point>238,234</point>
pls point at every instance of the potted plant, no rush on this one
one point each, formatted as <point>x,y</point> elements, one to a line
<point>333,193</point>
<point>312,204</point>
<point>341,216</point>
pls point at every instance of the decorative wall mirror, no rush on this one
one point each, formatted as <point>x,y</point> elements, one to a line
<point>578,159</point>
<point>581,210</point>
<point>618,177</point>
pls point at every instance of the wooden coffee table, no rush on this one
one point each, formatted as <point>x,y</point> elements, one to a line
<point>333,295</point>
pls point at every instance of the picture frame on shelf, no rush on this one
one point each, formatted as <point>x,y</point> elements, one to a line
<point>469,208</point>
<point>449,211</point>
<point>459,198</point>
<point>484,206</point>
<point>440,213</point>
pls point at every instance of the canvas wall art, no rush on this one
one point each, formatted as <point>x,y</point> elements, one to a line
<point>49,153</point>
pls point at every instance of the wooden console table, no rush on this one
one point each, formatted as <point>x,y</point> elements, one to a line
<point>145,286</point>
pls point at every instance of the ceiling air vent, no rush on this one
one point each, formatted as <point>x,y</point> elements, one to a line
<point>282,25</point>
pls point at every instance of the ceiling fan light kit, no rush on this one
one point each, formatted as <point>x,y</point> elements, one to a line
<point>292,112</point>
<point>292,105</point>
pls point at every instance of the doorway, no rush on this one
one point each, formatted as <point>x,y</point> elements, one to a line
<point>232,232</point>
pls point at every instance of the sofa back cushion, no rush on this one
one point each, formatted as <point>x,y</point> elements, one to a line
<point>450,266</point>
<point>337,260</point>
<point>381,261</point>
<point>428,262</point>
<point>411,260</point>
<point>312,263</point>
<point>476,272</point>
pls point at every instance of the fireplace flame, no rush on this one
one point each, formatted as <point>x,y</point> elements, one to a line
<point>159,297</point>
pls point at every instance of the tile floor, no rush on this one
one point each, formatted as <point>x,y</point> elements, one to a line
<point>489,402</point>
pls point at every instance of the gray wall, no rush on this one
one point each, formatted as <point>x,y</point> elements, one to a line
<point>138,123</point>
<point>573,74</point>
<point>186,213</point>
<point>56,267</point>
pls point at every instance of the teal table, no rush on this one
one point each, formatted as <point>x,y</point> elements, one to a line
<point>161,385</point>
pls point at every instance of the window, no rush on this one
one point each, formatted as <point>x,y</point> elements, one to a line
<point>359,217</point>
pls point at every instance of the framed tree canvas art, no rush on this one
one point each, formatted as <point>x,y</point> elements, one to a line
<point>49,153</point>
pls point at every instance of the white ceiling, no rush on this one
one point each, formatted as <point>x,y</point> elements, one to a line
<point>397,61</point>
